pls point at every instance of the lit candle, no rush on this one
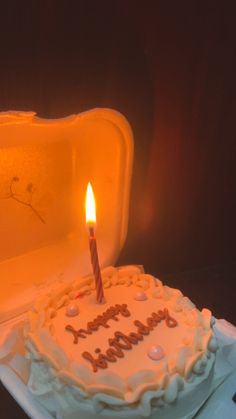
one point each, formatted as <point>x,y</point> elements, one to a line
<point>90,209</point>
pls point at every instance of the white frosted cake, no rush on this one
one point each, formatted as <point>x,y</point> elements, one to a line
<point>146,352</point>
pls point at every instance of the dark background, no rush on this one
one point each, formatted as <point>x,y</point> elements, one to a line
<point>170,68</point>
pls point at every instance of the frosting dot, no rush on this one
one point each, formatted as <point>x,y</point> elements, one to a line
<point>156,352</point>
<point>140,296</point>
<point>72,310</point>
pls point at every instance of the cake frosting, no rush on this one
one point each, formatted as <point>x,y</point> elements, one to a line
<point>146,352</point>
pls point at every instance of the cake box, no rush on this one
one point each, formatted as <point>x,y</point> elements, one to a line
<point>45,167</point>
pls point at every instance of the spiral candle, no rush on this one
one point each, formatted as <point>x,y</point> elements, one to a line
<point>95,265</point>
<point>90,210</point>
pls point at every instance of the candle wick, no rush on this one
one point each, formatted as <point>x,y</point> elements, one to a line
<point>91,231</point>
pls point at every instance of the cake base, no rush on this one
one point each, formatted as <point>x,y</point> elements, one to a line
<point>147,352</point>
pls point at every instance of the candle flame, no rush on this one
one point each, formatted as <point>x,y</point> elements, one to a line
<point>90,206</point>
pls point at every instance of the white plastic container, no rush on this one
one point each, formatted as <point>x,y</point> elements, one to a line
<point>45,166</point>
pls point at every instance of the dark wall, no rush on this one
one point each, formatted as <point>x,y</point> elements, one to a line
<point>187,214</point>
<point>170,68</point>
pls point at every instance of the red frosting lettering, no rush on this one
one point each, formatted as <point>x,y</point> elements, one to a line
<point>120,341</point>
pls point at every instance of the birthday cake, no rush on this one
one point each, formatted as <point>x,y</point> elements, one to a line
<point>146,352</point>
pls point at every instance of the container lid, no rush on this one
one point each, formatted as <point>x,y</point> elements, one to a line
<point>45,166</point>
